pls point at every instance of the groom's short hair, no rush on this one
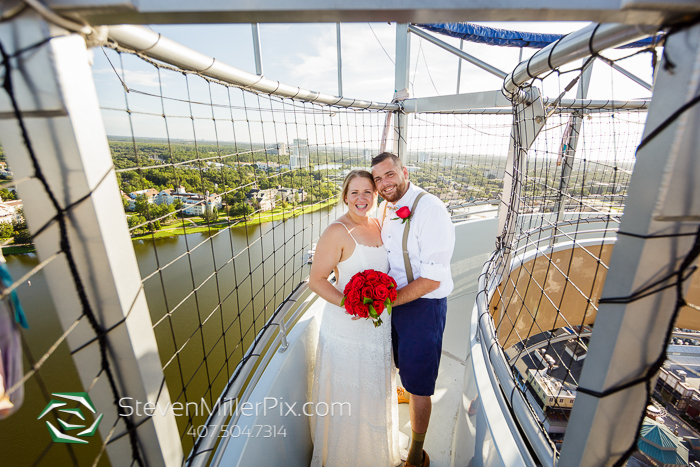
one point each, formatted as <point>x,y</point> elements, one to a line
<point>387,155</point>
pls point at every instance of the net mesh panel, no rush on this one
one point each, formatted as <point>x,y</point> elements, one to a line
<point>569,191</point>
<point>460,158</point>
<point>272,169</point>
<point>233,152</point>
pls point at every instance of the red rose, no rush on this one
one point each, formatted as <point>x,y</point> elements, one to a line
<point>385,280</point>
<point>378,306</point>
<point>352,299</point>
<point>381,292</point>
<point>403,212</point>
<point>372,276</point>
<point>357,281</point>
<point>392,294</point>
<point>362,311</point>
<point>368,291</point>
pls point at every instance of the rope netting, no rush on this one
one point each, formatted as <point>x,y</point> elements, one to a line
<point>249,181</point>
<point>461,159</point>
<point>566,193</point>
<point>226,190</point>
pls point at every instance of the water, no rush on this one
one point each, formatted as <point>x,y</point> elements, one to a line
<point>232,306</point>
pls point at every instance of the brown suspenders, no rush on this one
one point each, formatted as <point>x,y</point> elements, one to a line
<point>404,244</point>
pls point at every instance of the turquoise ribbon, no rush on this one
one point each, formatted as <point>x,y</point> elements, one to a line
<point>6,280</point>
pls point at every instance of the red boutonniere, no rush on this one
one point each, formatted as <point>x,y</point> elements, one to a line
<point>404,214</point>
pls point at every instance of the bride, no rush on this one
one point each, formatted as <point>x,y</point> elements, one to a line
<point>353,359</point>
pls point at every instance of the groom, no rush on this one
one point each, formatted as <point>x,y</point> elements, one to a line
<point>419,261</point>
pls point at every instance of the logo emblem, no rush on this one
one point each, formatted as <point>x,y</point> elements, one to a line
<point>59,436</point>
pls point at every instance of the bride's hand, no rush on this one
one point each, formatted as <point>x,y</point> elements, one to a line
<point>356,318</point>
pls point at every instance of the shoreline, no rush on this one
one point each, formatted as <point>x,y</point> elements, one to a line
<point>256,219</point>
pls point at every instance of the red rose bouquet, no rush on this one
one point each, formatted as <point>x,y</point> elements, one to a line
<point>368,294</point>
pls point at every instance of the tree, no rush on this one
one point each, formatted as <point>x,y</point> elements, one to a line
<point>210,215</point>
<point>240,209</point>
<point>135,220</point>
<point>7,195</point>
<point>23,236</point>
<point>6,230</point>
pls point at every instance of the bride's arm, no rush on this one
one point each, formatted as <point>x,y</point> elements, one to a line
<point>327,256</point>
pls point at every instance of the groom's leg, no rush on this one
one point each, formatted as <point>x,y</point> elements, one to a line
<point>419,325</point>
<point>419,409</point>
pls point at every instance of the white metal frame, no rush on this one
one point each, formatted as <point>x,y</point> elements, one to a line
<point>308,11</point>
<point>628,337</point>
<point>56,93</point>
<point>156,46</point>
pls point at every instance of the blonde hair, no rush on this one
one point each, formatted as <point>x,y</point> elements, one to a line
<point>354,174</point>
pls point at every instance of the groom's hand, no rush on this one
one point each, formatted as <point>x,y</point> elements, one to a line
<point>415,290</point>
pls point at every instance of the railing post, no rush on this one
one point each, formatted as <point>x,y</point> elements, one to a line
<point>401,75</point>
<point>567,158</point>
<point>56,95</point>
<point>340,60</point>
<point>257,49</point>
<point>528,121</point>
<point>629,336</point>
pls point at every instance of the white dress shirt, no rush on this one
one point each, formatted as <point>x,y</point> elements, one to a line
<point>431,241</point>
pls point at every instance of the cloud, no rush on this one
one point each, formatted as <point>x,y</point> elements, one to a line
<point>133,78</point>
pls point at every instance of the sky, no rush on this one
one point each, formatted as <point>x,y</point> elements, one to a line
<point>305,55</point>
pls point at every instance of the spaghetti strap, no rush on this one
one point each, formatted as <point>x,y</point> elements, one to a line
<point>346,228</point>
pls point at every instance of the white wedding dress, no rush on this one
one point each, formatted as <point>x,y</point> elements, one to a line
<point>354,365</point>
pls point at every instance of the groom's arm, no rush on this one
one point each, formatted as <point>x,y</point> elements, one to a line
<point>436,238</point>
<point>415,290</point>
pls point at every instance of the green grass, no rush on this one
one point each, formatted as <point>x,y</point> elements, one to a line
<point>18,250</point>
<point>276,214</point>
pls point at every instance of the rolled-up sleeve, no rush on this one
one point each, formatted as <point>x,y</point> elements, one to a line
<point>436,240</point>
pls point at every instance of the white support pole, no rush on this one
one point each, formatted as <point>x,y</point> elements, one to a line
<point>625,72</point>
<point>340,61</point>
<point>54,88</point>
<point>459,66</point>
<point>401,82</point>
<point>567,162</point>
<point>663,198</point>
<point>257,49</point>
<point>531,120</point>
<point>458,52</point>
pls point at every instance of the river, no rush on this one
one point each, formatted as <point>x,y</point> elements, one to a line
<point>258,266</point>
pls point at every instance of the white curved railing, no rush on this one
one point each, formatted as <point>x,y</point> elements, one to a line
<point>499,368</point>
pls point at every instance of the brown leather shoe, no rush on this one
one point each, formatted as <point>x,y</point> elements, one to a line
<point>403,395</point>
<point>426,461</point>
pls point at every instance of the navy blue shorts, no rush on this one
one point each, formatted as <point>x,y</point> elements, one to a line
<point>416,336</point>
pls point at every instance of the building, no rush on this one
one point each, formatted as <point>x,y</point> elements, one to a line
<point>9,211</point>
<point>551,391</point>
<point>266,199</point>
<point>150,194</point>
<point>290,195</point>
<point>170,195</point>
<point>281,149</point>
<point>674,388</point>
<point>196,205</point>
<point>300,154</point>
<point>576,349</point>
<point>267,166</point>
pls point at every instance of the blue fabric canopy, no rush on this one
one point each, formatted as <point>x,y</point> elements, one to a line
<point>507,38</point>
